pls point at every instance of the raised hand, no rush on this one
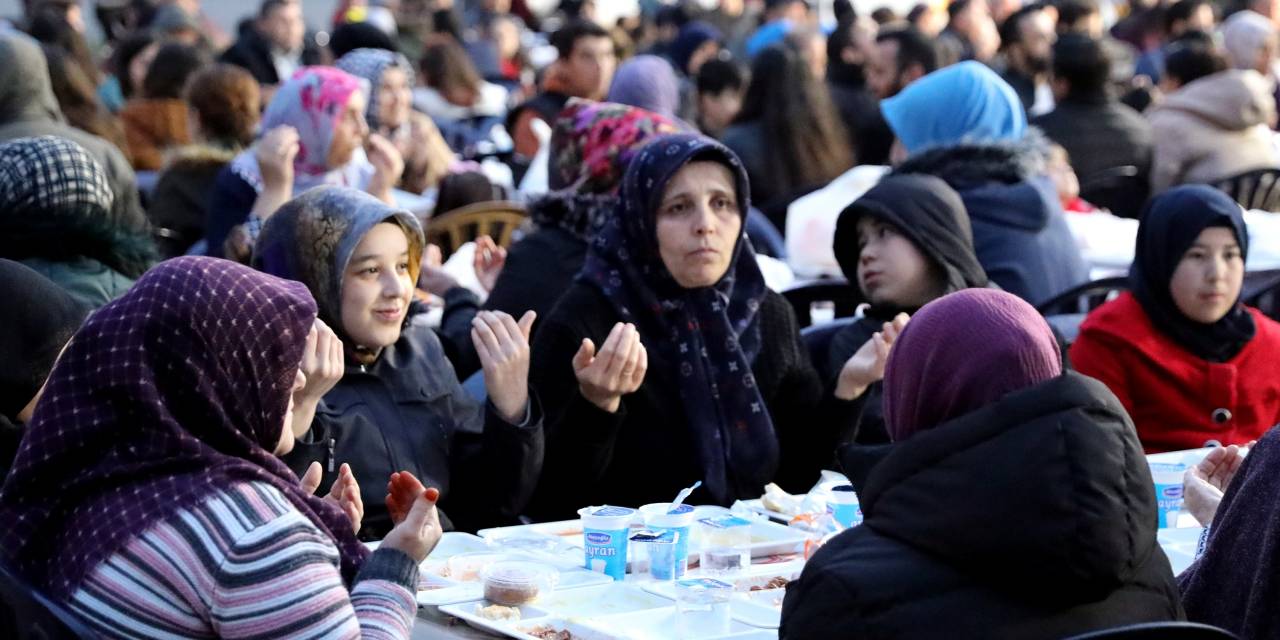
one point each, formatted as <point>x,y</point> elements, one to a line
<point>275,154</point>
<point>432,277</point>
<point>503,347</point>
<point>323,365</point>
<point>402,489</point>
<point>345,492</point>
<point>866,366</point>
<point>1204,484</point>
<point>488,262</point>
<point>388,166</point>
<point>417,530</point>
<point>618,369</point>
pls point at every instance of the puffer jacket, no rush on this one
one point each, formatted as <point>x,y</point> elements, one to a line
<point>1019,233</point>
<point>1033,517</point>
<point>1213,128</point>
<point>408,412</point>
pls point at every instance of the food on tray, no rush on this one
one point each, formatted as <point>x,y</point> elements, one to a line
<point>545,632</point>
<point>775,499</point>
<point>517,583</point>
<point>498,612</point>
<point>776,582</point>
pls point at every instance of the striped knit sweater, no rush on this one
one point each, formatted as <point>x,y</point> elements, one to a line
<point>245,564</point>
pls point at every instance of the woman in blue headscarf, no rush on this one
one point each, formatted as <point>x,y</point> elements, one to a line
<point>966,125</point>
<point>669,361</point>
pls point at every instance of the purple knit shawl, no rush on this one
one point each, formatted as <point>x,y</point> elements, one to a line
<point>175,390</point>
<point>962,352</point>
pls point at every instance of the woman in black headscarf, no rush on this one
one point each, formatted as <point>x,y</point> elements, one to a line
<point>700,373</point>
<point>39,319</point>
<point>1189,361</point>
<point>904,243</point>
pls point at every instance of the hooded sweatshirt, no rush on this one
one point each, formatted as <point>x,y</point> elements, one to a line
<point>1213,128</point>
<point>28,108</point>
<point>932,216</point>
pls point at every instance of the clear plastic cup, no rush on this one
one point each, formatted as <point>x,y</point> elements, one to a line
<point>726,544</point>
<point>659,517</point>
<point>604,539</point>
<point>702,606</point>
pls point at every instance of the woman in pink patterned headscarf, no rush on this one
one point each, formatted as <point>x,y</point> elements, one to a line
<point>314,133</point>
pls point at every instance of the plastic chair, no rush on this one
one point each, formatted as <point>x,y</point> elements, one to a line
<point>498,220</point>
<point>26,614</point>
<point>1262,290</point>
<point>1257,189</point>
<point>1159,631</point>
<point>836,290</point>
<point>817,340</point>
<point>1083,298</point>
<point>1122,190</point>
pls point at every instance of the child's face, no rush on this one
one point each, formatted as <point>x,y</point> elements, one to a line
<point>1063,176</point>
<point>891,269</point>
<point>718,110</point>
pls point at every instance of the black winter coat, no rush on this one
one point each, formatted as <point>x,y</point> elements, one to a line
<point>1033,517</point>
<point>252,52</point>
<point>407,411</point>
<point>645,452</point>
<point>1099,134</point>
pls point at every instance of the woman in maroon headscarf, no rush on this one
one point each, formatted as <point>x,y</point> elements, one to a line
<point>147,495</point>
<point>1015,501</point>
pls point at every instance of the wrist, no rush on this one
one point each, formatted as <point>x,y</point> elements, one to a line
<point>608,404</point>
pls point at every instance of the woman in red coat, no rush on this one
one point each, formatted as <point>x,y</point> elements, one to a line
<point>1187,359</point>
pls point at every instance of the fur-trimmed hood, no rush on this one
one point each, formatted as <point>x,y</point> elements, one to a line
<point>200,156</point>
<point>1001,182</point>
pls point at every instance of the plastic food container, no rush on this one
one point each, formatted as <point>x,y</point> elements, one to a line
<point>660,517</point>
<point>514,583</point>
<point>467,567</point>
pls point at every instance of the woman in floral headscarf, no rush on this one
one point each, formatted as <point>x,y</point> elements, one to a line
<point>390,114</point>
<point>314,134</point>
<point>671,286</point>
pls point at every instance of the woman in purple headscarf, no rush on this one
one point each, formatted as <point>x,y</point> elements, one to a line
<point>147,495</point>
<point>1015,501</point>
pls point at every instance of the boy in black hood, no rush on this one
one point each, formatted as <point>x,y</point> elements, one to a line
<point>904,243</point>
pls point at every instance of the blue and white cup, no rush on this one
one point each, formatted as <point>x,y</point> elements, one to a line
<point>1168,484</point>
<point>604,539</point>
<point>843,505</point>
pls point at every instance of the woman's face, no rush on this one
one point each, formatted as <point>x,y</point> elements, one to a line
<point>891,270</point>
<point>377,287</point>
<point>349,132</point>
<point>394,98</point>
<point>698,223</point>
<point>286,434</point>
<point>1207,282</point>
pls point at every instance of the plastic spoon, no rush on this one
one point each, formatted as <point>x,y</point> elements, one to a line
<point>684,493</point>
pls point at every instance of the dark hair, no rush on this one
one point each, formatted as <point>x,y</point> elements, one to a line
<point>226,102</point>
<point>1011,28</point>
<point>913,48</point>
<point>568,36</point>
<point>1071,12</point>
<point>957,7</point>
<point>350,36</point>
<point>78,97</point>
<point>719,75</point>
<point>844,11</point>
<point>802,130</point>
<point>1181,11</point>
<point>49,25</point>
<point>884,15</point>
<point>1083,63</point>
<point>168,73</point>
<point>675,16</point>
<point>458,190</point>
<point>125,53</point>
<point>269,6</point>
<point>917,13</point>
<point>1192,59</point>
<point>445,64</point>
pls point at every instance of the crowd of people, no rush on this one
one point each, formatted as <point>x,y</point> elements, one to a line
<point>222,301</point>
